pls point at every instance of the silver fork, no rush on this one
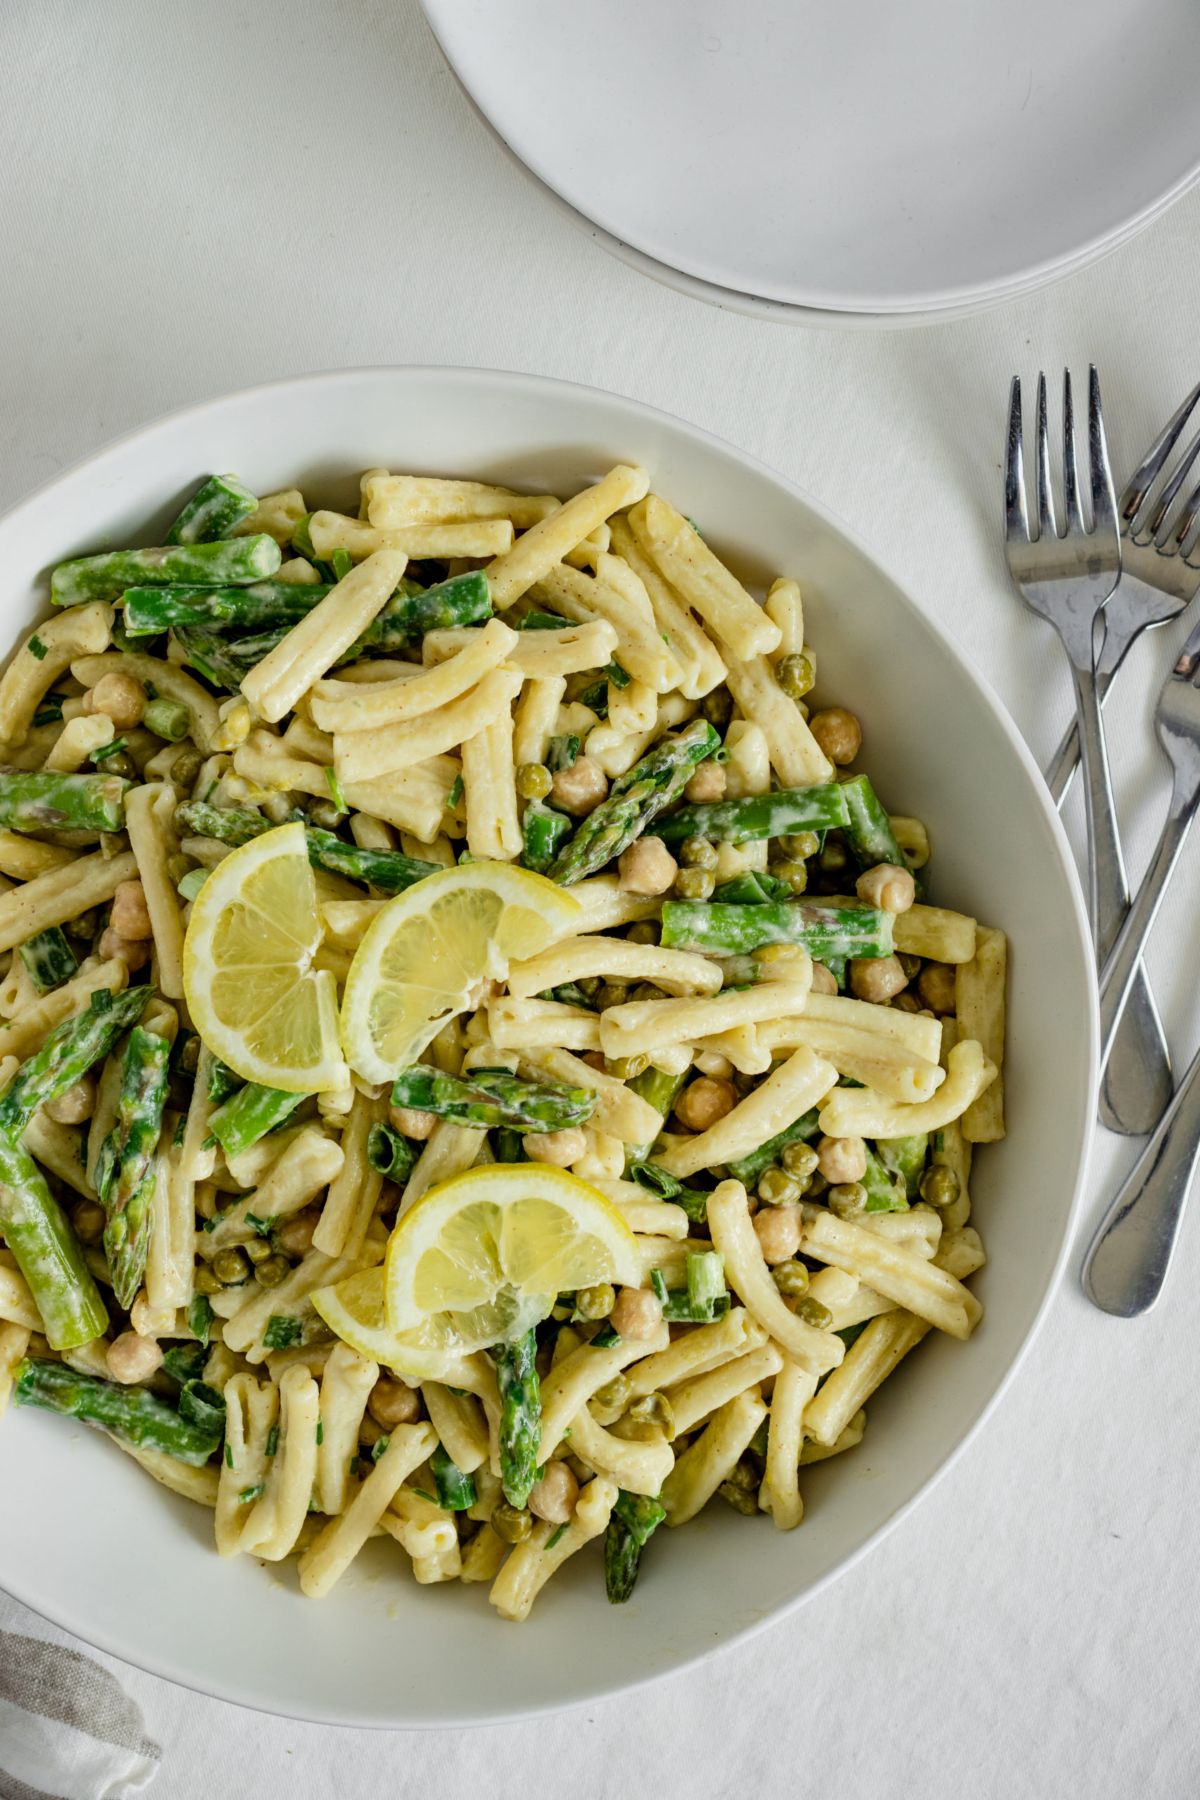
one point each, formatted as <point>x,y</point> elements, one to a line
<point>1067,580</point>
<point>1127,1263</point>
<point>1157,581</point>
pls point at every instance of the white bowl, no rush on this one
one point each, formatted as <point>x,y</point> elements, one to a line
<point>93,1545</point>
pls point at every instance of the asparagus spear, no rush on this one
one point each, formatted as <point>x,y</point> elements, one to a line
<point>125,1173</point>
<point>234,562</point>
<point>520,1416</point>
<point>662,1091</point>
<point>259,607</point>
<point>633,1519</point>
<point>412,611</point>
<point>885,1193</point>
<point>544,829</point>
<point>47,1253</point>
<point>781,814</point>
<point>747,1169</point>
<point>49,959</point>
<point>131,1413</point>
<point>222,1082</point>
<point>384,869</point>
<point>225,662</point>
<point>705,1297</point>
<point>390,1153</point>
<point>493,1097</point>
<point>905,1157</point>
<point>634,801</point>
<point>67,1054</point>
<point>868,827</point>
<point>250,1114</point>
<point>825,931</point>
<point>44,801</point>
<point>214,509</point>
<point>455,1490</point>
<point>750,888</point>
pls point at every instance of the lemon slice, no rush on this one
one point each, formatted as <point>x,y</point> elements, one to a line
<point>354,1310</point>
<point>424,956</point>
<point>248,979</point>
<point>480,1258</point>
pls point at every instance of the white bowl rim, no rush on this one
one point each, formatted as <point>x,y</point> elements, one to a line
<point>114,1643</point>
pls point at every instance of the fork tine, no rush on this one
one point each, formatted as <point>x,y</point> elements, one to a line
<point>1016,518</point>
<point>1104,499</point>
<point>1136,492</point>
<point>1158,528</point>
<point>1045,497</point>
<point>1074,522</point>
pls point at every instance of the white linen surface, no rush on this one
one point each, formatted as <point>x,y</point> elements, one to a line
<point>200,198</point>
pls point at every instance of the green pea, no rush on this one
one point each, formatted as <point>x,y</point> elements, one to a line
<point>645,931</point>
<point>186,767</point>
<point>775,1188</point>
<point>611,993</point>
<point>717,707</point>
<point>847,1199</point>
<point>698,853</point>
<point>694,884</point>
<point>596,1302</point>
<point>512,1523</point>
<point>791,1278</point>
<point>794,872</point>
<point>813,1313</point>
<point>625,1068</point>
<point>740,1500</point>
<point>614,1395</point>
<point>834,857</point>
<point>800,1161</point>
<point>258,1249</point>
<point>650,1417</point>
<point>795,674</point>
<point>534,781</point>
<point>231,1267</point>
<point>272,1271</point>
<point>939,1186</point>
<point>204,1281</point>
<point>803,844</point>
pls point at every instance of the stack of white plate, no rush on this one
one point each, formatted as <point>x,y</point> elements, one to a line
<point>853,160</point>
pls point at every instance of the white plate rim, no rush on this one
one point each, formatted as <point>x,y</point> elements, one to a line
<point>113,1643</point>
<point>932,307</point>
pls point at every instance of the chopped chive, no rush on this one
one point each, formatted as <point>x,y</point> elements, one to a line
<point>37,648</point>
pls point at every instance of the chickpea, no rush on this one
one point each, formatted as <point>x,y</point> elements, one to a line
<point>130,917</point>
<point>562,1148</point>
<point>778,1230</point>
<point>393,1403</point>
<point>76,1104</point>
<point>553,1497</point>
<point>891,889</point>
<point>581,787</point>
<point>119,697</point>
<point>838,733</point>
<point>823,980</point>
<point>935,984</point>
<point>842,1159</point>
<point>708,783</point>
<point>637,1314</point>
<point>877,977</point>
<point>647,867</point>
<point>88,1221</point>
<point>113,946</point>
<point>705,1101</point>
<point>410,1123</point>
<point>132,1358</point>
<point>295,1235</point>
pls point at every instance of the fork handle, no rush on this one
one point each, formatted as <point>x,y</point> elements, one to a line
<point>1127,1261</point>
<point>1137,1082</point>
<point>1061,768</point>
<point>1121,966</point>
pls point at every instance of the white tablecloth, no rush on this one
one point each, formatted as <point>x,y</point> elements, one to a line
<point>198,198</point>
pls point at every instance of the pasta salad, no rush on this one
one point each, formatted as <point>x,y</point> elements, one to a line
<point>479,1064</point>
